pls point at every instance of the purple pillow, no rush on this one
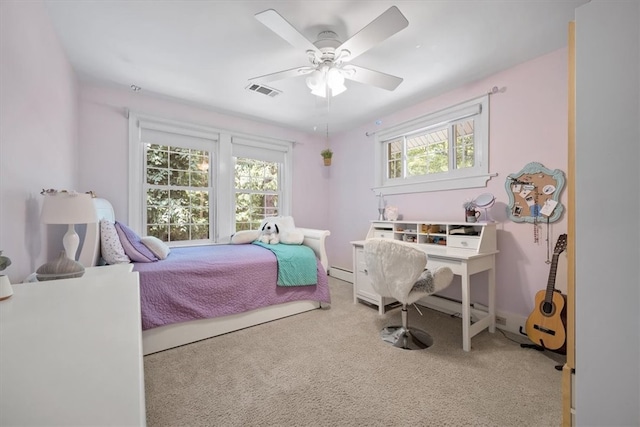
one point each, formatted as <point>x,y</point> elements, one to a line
<point>133,246</point>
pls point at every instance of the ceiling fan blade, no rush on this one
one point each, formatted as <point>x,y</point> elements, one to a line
<point>281,75</point>
<point>370,77</point>
<point>276,23</point>
<point>381,28</point>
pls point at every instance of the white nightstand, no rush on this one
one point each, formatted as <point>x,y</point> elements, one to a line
<point>71,351</point>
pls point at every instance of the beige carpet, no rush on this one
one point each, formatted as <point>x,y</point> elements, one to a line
<point>329,368</point>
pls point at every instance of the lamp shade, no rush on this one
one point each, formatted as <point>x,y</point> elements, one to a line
<point>334,78</point>
<point>68,208</point>
<point>324,79</point>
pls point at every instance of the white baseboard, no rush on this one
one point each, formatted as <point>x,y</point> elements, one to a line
<point>512,322</point>
<point>341,274</point>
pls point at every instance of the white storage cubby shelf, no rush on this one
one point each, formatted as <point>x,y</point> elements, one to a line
<point>439,236</point>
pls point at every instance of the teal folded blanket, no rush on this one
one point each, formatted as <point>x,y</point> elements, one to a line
<point>297,264</point>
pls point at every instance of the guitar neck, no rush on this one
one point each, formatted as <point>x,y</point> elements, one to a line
<point>551,283</point>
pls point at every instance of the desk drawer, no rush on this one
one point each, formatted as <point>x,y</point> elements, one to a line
<point>463,242</point>
<point>383,234</point>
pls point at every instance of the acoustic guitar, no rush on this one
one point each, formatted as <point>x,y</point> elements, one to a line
<point>546,325</point>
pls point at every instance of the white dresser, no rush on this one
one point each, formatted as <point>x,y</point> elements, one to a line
<point>71,351</point>
<point>467,248</point>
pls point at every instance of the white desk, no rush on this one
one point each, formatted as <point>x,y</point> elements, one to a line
<point>71,352</point>
<point>463,263</point>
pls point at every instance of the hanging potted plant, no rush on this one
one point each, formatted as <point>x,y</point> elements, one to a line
<point>327,154</point>
<point>5,286</point>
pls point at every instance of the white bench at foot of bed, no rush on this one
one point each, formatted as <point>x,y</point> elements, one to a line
<point>177,334</point>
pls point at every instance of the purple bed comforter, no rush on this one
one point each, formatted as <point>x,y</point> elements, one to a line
<point>212,281</point>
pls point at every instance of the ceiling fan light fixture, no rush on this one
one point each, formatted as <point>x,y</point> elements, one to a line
<point>320,91</point>
<point>315,79</point>
<point>325,78</point>
<point>334,78</point>
<point>337,89</point>
<point>335,81</point>
<point>317,82</point>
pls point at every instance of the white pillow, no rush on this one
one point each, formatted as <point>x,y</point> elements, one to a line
<point>245,236</point>
<point>292,237</point>
<point>157,246</point>
<point>110,246</point>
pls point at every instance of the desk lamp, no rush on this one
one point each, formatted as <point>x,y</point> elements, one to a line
<point>69,208</point>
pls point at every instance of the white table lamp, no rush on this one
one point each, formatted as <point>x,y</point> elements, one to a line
<point>69,208</point>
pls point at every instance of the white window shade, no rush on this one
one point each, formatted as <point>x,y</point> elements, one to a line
<point>259,150</point>
<point>161,137</point>
<point>436,119</point>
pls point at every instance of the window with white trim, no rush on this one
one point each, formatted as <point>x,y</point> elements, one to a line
<point>256,190</point>
<point>440,151</point>
<point>177,193</point>
<point>258,182</point>
<point>191,184</point>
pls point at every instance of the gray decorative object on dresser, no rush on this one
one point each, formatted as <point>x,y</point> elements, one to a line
<point>60,268</point>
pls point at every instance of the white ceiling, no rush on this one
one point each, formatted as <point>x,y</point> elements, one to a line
<point>204,52</point>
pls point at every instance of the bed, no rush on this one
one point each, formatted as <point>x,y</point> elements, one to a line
<point>245,297</point>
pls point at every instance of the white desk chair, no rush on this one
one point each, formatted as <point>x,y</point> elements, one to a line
<point>397,270</point>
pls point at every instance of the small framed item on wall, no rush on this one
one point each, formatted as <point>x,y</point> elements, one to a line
<point>534,194</point>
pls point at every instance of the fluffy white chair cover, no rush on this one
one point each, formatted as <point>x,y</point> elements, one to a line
<point>397,270</point>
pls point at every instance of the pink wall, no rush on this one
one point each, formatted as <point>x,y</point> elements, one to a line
<point>105,143</point>
<point>528,122</point>
<point>38,133</point>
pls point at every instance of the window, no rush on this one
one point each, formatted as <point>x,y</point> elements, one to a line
<point>259,181</point>
<point>193,184</point>
<point>257,192</point>
<point>440,151</point>
<point>177,193</point>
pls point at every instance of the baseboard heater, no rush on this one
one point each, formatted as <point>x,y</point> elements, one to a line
<point>341,274</point>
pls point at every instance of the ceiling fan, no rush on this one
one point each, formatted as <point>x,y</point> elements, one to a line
<point>330,57</point>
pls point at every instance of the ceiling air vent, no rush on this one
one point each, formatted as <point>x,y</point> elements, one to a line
<point>265,90</point>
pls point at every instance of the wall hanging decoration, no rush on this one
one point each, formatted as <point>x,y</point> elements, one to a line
<point>534,197</point>
<point>534,194</point>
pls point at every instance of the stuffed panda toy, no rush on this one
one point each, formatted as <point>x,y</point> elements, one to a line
<point>272,230</point>
<point>280,229</point>
<point>270,233</point>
